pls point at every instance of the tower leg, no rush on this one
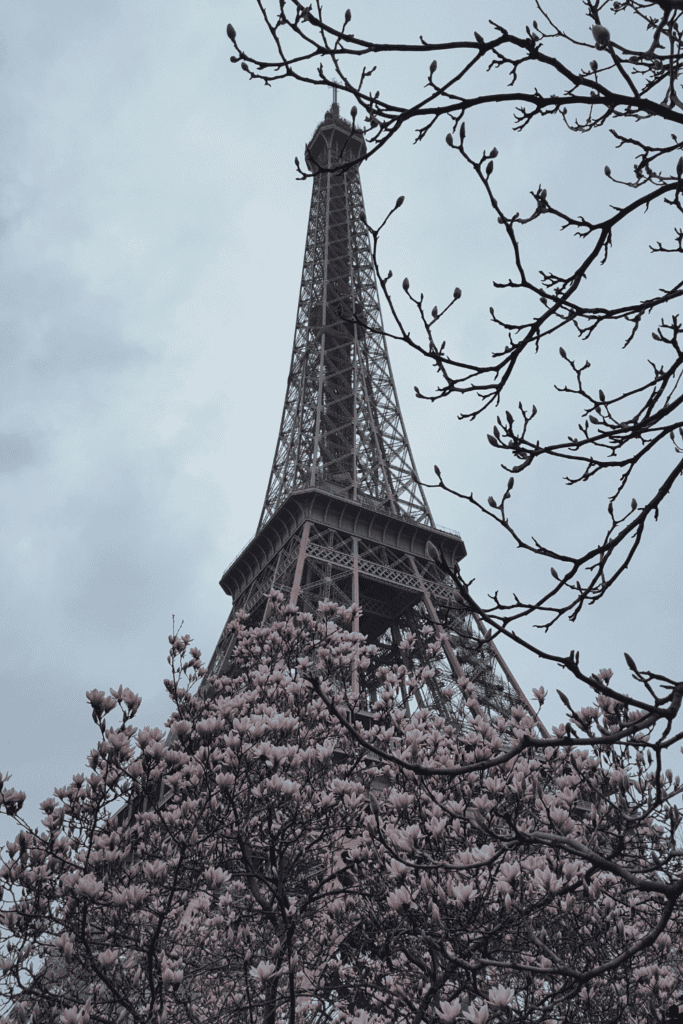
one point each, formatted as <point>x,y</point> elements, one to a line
<point>355,598</point>
<point>510,678</point>
<point>300,561</point>
<point>396,635</point>
<point>456,667</point>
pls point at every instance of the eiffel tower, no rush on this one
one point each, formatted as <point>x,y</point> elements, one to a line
<point>345,518</point>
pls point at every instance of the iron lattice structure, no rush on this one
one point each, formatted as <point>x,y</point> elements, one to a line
<point>345,518</point>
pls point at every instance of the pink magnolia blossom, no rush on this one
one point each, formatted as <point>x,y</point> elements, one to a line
<point>107,957</point>
<point>476,1015</point>
<point>263,971</point>
<point>449,1011</point>
<point>400,898</point>
<point>500,996</point>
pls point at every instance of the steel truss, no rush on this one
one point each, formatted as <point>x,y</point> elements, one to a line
<point>345,518</point>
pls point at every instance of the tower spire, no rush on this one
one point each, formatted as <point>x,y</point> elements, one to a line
<point>341,427</point>
<point>345,517</point>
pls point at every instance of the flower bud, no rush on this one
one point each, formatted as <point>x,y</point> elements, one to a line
<point>563,353</point>
<point>608,171</point>
<point>400,201</point>
<point>347,16</point>
<point>435,312</point>
<point>480,39</point>
<point>679,166</point>
<point>354,113</point>
<point>432,551</point>
<point>406,284</point>
<point>489,168</point>
<point>432,67</point>
<point>374,806</point>
<point>231,33</point>
<point>601,36</point>
<point>245,66</point>
<point>494,153</point>
<point>462,131</point>
<point>492,502</point>
<point>449,140</point>
<point>456,294</point>
<point>437,470</point>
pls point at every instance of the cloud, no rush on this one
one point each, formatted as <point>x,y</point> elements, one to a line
<point>17,451</point>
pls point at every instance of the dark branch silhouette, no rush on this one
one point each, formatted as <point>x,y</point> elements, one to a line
<point>589,81</point>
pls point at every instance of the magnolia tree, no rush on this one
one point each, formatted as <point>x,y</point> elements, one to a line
<point>280,856</point>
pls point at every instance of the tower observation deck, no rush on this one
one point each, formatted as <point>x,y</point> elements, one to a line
<point>345,518</point>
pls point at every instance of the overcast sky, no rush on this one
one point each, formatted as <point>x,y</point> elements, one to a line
<point>152,240</point>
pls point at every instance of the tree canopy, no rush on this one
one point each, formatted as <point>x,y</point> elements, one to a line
<point>285,857</point>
